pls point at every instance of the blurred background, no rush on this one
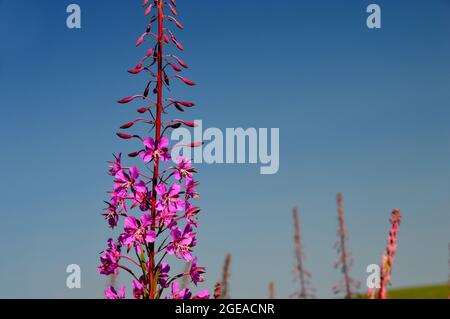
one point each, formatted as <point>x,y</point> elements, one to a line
<point>362,112</point>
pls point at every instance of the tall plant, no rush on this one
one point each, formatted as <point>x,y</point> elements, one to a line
<point>448,282</point>
<point>300,272</point>
<point>344,262</point>
<point>271,290</point>
<point>389,254</point>
<point>159,219</point>
<point>225,283</point>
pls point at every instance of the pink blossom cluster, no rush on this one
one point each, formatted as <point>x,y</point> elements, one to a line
<point>154,202</point>
<point>389,254</point>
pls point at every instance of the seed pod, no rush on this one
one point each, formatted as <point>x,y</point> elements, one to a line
<point>128,99</point>
<point>149,9</point>
<point>178,107</point>
<point>141,39</point>
<point>172,9</point>
<point>180,62</point>
<point>175,67</point>
<point>124,136</point>
<point>127,125</point>
<point>187,81</point>
<point>134,154</point>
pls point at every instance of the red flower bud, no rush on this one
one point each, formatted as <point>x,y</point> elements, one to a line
<point>134,154</point>
<point>149,9</point>
<point>196,144</point>
<point>140,40</point>
<point>172,9</point>
<point>187,81</point>
<point>137,69</point>
<point>178,44</point>
<point>124,136</point>
<point>147,89</point>
<point>149,53</point>
<point>127,125</point>
<point>190,124</point>
<point>179,25</point>
<point>178,107</point>
<point>177,125</point>
<point>180,62</point>
<point>187,104</point>
<point>128,99</point>
<point>175,67</point>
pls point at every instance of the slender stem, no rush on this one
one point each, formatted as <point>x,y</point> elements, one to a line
<point>159,109</point>
<point>343,240</point>
<point>129,271</point>
<point>130,259</point>
<point>299,255</point>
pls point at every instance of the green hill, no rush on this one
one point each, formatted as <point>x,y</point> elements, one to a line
<point>423,292</point>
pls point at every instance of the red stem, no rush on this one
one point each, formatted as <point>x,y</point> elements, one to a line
<point>159,107</point>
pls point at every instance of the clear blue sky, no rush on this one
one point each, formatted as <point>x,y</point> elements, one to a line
<point>360,111</point>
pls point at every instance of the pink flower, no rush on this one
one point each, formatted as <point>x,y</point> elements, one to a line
<point>111,293</point>
<point>152,151</point>
<point>170,202</point>
<point>125,180</point>
<point>115,165</point>
<point>196,272</point>
<point>182,243</point>
<point>204,294</point>
<point>190,214</point>
<point>138,290</point>
<point>118,198</point>
<point>164,269</point>
<point>112,215</point>
<point>141,195</point>
<point>190,189</point>
<point>136,232</point>
<point>110,259</point>
<point>176,293</point>
<point>184,169</point>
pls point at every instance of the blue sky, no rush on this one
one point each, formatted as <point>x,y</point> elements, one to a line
<point>364,112</point>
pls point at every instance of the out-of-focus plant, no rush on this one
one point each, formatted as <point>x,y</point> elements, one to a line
<point>300,273</point>
<point>345,260</point>
<point>389,254</point>
<point>271,290</point>
<point>448,283</point>
<point>159,219</point>
<point>225,283</point>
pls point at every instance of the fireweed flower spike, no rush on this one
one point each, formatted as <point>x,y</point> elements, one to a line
<point>388,257</point>
<point>225,284</point>
<point>153,211</point>
<point>271,290</point>
<point>344,261</point>
<point>300,272</point>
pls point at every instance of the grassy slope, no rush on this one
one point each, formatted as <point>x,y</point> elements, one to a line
<point>423,292</point>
